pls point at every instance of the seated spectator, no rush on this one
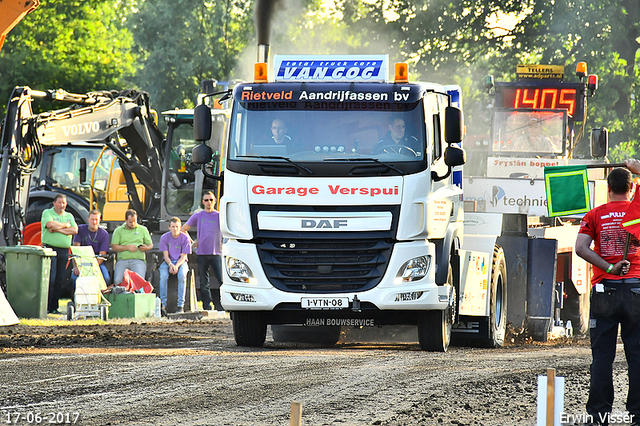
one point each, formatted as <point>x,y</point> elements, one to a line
<point>131,241</point>
<point>96,237</point>
<point>175,246</point>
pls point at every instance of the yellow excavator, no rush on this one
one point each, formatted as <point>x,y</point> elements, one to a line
<point>12,12</point>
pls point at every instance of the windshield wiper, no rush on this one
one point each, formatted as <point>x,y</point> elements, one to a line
<point>375,160</point>
<point>278,157</point>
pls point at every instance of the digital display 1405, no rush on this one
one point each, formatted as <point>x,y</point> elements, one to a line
<point>562,96</point>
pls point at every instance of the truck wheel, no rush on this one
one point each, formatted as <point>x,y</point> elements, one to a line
<point>327,335</point>
<point>434,327</point>
<point>498,306</point>
<point>249,328</point>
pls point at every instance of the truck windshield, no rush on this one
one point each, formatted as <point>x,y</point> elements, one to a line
<point>325,134</point>
<point>531,132</point>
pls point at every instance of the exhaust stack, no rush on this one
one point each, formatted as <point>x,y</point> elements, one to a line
<point>263,53</point>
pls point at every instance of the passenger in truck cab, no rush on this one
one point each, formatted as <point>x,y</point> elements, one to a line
<point>396,141</point>
<point>278,144</point>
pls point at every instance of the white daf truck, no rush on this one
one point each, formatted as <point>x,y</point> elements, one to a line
<point>339,207</point>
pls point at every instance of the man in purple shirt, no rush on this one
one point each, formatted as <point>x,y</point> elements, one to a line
<point>175,247</point>
<point>96,237</point>
<point>208,249</point>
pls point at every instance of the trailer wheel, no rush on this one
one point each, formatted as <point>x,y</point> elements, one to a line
<point>104,313</point>
<point>434,327</point>
<point>71,311</point>
<point>498,306</point>
<point>249,328</point>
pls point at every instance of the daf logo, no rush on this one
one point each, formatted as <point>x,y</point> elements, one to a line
<point>331,224</point>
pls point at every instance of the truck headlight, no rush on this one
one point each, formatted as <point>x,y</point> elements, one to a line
<point>239,271</point>
<point>413,270</point>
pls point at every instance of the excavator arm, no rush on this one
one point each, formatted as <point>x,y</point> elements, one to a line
<point>120,120</point>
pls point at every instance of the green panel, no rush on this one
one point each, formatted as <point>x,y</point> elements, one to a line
<point>131,305</point>
<point>567,190</point>
<point>28,269</point>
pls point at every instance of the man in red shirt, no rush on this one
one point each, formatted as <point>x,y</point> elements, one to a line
<point>615,295</point>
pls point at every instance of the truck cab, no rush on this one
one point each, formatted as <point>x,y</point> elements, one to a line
<point>339,206</point>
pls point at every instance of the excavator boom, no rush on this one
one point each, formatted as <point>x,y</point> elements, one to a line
<point>121,121</point>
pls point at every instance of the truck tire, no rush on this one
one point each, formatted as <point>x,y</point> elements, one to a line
<point>498,305</point>
<point>249,328</point>
<point>434,327</point>
<point>327,335</point>
<point>35,209</point>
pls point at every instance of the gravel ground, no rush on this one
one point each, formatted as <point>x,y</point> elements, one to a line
<point>163,372</point>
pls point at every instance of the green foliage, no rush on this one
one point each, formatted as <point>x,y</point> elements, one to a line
<point>166,47</point>
<point>183,42</point>
<point>623,151</point>
<point>75,45</point>
<point>456,42</point>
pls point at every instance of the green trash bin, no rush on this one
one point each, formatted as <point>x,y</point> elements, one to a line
<point>28,269</point>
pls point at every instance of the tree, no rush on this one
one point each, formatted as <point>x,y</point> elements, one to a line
<point>184,42</point>
<point>458,41</point>
<point>75,45</point>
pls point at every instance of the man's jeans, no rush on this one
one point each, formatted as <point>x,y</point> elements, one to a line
<point>204,262</point>
<point>136,265</point>
<point>105,275</point>
<point>57,276</point>
<point>183,270</point>
<point>617,304</point>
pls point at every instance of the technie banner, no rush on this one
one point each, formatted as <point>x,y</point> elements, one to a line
<point>368,68</point>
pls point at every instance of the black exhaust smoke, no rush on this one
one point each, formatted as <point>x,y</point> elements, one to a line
<point>263,16</point>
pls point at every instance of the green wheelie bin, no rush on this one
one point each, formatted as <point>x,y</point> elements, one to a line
<point>28,269</point>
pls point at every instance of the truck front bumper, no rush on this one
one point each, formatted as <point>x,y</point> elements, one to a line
<point>391,294</point>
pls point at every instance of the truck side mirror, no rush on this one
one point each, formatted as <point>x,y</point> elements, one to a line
<point>599,142</point>
<point>453,125</point>
<point>83,170</point>
<point>201,154</point>
<point>454,156</point>
<point>202,123</point>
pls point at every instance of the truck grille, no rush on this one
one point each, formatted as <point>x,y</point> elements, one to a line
<point>324,266</point>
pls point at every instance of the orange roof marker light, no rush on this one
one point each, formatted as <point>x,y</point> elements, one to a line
<point>402,72</point>
<point>260,72</point>
<point>581,69</point>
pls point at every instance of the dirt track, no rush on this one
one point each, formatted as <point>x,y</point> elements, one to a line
<point>192,373</point>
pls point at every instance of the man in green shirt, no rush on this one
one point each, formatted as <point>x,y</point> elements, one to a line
<point>130,240</point>
<point>57,229</point>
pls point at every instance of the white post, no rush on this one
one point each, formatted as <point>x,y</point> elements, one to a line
<point>550,399</point>
<point>296,413</point>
